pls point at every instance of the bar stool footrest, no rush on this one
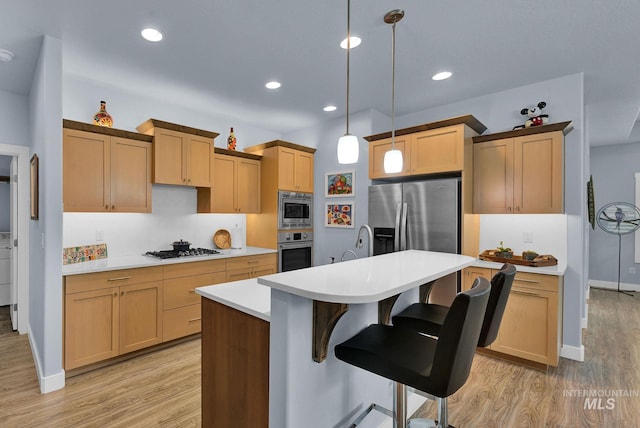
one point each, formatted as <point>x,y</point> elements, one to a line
<point>368,410</point>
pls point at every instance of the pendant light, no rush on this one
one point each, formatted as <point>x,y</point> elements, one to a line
<point>393,158</point>
<point>348,148</point>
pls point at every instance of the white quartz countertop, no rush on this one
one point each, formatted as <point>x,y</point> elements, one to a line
<point>368,279</point>
<point>139,261</point>
<point>246,296</point>
<point>557,270</point>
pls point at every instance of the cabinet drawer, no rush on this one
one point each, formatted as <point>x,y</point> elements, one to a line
<point>113,278</point>
<point>193,268</point>
<point>251,261</point>
<point>181,322</point>
<point>181,291</point>
<point>536,281</point>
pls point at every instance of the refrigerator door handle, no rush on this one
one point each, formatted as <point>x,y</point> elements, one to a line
<point>397,228</point>
<point>403,227</point>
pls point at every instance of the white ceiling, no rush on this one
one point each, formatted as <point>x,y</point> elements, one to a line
<point>227,49</point>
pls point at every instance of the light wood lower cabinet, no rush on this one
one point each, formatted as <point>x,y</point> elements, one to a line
<point>111,313</point>
<point>532,321</point>
<point>107,314</point>
<point>248,267</point>
<point>181,315</point>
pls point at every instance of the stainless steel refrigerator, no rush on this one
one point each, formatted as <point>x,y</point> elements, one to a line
<point>419,215</point>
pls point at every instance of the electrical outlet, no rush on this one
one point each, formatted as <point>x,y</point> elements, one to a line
<point>632,270</point>
<point>99,235</point>
<point>527,237</point>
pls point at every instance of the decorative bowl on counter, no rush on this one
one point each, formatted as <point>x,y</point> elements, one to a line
<point>222,239</point>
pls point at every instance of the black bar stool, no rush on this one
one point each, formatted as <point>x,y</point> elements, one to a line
<point>428,318</point>
<point>438,367</point>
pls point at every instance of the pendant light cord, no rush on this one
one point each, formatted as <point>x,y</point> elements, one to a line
<point>393,86</point>
<point>348,50</point>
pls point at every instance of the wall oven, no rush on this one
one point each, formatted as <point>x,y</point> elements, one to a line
<point>295,210</point>
<point>295,250</point>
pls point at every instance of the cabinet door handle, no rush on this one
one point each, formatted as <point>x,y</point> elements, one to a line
<point>115,294</point>
<point>533,281</point>
<point>122,293</point>
<point>528,293</point>
<point>253,261</point>
<point>106,207</point>
<point>195,319</point>
<point>120,278</point>
<point>192,291</point>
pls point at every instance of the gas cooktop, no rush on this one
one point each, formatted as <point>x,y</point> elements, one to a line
<point>172,254</point>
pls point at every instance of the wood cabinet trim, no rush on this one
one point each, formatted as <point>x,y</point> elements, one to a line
<point>279,143</point>
<point>95,129</point>
<point>468,120</point>
<point>220,151</point>
<point>565,127</point>
<point>148,126</point>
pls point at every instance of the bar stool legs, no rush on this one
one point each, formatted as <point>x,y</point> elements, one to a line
<point>400,406</point>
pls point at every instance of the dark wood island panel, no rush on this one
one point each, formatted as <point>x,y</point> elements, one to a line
<point>235,368</point>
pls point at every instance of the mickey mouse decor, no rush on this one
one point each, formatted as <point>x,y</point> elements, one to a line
<point>536,118</point>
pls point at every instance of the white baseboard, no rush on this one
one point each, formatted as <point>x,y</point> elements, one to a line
<point>572,352</point>
<point>608,285</point>
<point>47,383</point>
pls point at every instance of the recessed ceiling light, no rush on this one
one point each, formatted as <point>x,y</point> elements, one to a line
<point>6,56</point>
<point>330,108</point>
<point>355,42</point>
<point>273,85</point>
<point>442,75</point>
<point>151,34</point>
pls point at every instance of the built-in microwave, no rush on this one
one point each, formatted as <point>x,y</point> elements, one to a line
<point>295,210</point>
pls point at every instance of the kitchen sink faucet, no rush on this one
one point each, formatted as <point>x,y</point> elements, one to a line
<point>370,236</point>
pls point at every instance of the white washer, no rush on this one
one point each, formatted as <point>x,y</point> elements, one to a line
<point>5,266</point>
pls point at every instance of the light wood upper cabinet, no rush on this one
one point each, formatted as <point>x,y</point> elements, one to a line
<point>105,173</point>
<point>519,175</point>
<point>377,150</point>
<point>431,148</point>
<point>295,170</point>
<point>181,155</point>
<point>236,185</point>
<point>438,150</point>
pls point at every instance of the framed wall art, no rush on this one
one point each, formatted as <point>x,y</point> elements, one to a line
<point>339,215</point>
<point>34,187</point>
<point>339,184</point>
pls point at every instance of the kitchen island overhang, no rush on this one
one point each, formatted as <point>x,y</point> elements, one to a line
<point>380,279</point>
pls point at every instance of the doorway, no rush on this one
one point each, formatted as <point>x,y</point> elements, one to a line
<point>16,238</point>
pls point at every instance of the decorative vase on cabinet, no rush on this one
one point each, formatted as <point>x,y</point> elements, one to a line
<point>102,118</point>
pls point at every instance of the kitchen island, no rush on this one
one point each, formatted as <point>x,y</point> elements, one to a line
<point>303,391</point>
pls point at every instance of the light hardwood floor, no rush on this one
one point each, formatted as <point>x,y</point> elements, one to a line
<point>163,389</point>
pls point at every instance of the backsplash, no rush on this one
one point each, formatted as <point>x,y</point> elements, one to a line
<point>173,218</point>
<point>548,233</point>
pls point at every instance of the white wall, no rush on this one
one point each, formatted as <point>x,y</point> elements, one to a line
<point>45,234</point>
<point>334,242</point>
<point>174,217</point>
